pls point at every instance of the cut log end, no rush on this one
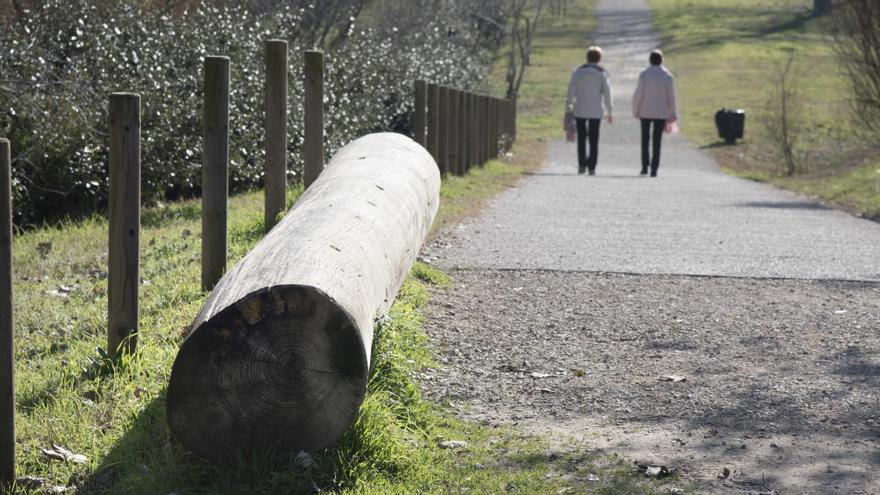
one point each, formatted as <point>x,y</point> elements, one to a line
<point>281,371</point>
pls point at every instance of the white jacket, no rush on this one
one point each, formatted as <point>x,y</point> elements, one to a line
<point>655,95</point>
<point>587,90</point>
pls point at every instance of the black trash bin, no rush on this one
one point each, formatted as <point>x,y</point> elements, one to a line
<point>731,124</point>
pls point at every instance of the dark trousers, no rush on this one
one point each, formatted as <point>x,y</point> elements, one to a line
<point>587,161</point>
<point>653,158</point>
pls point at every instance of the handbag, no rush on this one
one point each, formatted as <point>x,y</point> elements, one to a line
<point>569,126</point>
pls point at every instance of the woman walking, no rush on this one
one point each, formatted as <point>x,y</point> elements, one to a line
<point>588,90</point>
<point>654,104</point>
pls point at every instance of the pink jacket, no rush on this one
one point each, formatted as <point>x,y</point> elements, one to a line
<point>655,95</point>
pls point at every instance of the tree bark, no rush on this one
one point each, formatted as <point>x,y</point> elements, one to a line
<point>822,7</point>
<point>277,360</point>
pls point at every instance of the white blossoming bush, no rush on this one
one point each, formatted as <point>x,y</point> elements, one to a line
<point>58,65</point>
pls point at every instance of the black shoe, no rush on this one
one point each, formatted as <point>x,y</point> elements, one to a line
<point>581,170</point>
<point>644,171</point>
<point>592,171</point>
<point>653,173</point>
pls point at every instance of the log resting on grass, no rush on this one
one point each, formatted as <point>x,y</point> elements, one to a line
<point>278,358</point>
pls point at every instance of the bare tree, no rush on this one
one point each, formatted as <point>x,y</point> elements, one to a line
<point>522,31</point>
<point>857,42</point>
<point>784,124</point>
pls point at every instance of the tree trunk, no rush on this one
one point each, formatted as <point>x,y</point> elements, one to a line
<point>277,360</point>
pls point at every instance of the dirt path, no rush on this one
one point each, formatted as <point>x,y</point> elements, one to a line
<point>744,337</point>
<point>779,380</point>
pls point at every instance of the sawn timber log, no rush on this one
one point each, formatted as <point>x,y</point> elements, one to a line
<point>278,358</point>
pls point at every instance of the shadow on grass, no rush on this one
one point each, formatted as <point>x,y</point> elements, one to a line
<point>147,460</point>
<point>737,25</point>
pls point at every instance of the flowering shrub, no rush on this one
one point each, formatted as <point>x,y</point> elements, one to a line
<point>59,63</point>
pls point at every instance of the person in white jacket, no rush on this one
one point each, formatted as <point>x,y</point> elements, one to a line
<point>588,90</point>
<point>654,104</point>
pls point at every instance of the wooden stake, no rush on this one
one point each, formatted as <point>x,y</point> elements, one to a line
<point>420,113</point>
<point>433,120</point>
<point>275,179</point>
<point>314,116</point>
<point>461,133</point>
<point>125,222</point>
<point>7,347</point>
<point>215,169</point>
<point>453,132</point>
<point>468,128</point>
<point>443,131</point>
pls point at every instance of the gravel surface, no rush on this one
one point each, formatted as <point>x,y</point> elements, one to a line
<point>772,379</point>
<point>709,324</point>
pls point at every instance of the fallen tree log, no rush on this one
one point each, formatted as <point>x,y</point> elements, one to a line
<point>278,358</point>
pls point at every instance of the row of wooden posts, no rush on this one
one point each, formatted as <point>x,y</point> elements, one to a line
<point>125,175</point>
<point>460,129</point>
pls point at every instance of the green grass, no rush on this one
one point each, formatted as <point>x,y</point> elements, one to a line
<point>725,53</point>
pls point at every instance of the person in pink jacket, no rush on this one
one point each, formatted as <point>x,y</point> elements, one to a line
<point>587,91</point>
<point>654,104</point>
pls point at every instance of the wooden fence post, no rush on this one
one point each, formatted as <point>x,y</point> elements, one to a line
<point>466,131</point>
<point>125,222</point>
<point>443,132</point>
<point>462,133</point>
<point>419,122</point>
<point>487,129</point>
<point>493,150</point>
<point>433,120</point>
<point>505,118</point>
<point>513,119</point>
<point>275,175</point>
<point>481,125</point>
<point>314,116</point>
<point>215,169</point>
<point>474,129</point>
<point>7,347</point>
<point>453,131</point>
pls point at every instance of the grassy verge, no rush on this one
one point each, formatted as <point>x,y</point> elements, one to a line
<point>725,53</point>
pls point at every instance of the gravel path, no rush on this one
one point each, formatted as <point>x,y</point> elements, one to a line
<point>690,220</point>
<point>695,320</point>
<point>773,379</point>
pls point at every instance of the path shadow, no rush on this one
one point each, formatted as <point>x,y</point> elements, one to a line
<point>718,144</point>
<point>598,176</point>
<point>856,365</point>
<point>784,205</point>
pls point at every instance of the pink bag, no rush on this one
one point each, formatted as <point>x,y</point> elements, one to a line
<point>569,126</point>
<point>671,126</point>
